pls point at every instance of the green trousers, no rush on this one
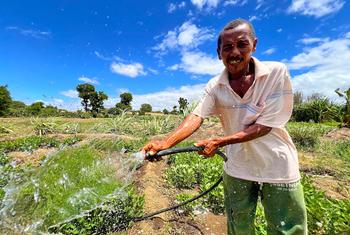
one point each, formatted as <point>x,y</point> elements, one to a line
<point>283,204</point>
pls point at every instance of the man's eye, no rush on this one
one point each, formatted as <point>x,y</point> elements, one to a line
<point>242,44</point>
<point>226,48</point>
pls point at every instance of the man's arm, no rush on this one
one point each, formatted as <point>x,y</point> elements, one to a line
<point>187,127</point>
<point>252,132</point>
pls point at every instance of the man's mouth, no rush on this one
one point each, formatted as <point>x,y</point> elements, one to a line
<point>234,61</point>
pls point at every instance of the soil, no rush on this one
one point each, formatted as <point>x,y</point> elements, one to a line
<point>339,134</point>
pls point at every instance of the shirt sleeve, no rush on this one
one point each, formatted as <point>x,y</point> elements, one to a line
<point>278,104</point>
<point>206,106</point>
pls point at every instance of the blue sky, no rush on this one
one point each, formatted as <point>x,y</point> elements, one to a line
<point>162,50</point>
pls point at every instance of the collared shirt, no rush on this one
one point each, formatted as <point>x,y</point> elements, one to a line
<point>271,158</point>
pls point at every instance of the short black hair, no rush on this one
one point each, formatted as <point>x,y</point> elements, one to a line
<point>233,24</point>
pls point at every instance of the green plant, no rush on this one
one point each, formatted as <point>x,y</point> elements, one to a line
<point>306,135</point>
<point>28,143</point>
<point>325,216</point>
<point>42,127</point>
<point>71,140</point>
<point>188,208</point>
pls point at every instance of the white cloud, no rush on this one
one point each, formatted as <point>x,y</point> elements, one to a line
<point>307,41</point>
<point>269,51</point>
<point>168,98</point>
<point>70,93</point>
<point>327,66</point>
<point>252,18</point>
<point>199,63</point>
<point>130,70</point>
<point>235,2</point>
<point>154,71</point>
<point>173,7</point>
<point>88,80</point>
<point>185,37</point>
<point>317,8</point>
<point>30,32</point>
<point>205,4</point>
<point>279,30</point>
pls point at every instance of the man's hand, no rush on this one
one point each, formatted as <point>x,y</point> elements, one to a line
<point>154,146</point>
<point>210,146</point>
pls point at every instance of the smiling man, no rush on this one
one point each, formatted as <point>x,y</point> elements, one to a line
<point>254,101</point>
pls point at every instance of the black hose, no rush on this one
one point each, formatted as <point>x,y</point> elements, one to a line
<point>181,150</point>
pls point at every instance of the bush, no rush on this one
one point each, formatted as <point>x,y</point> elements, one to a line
<point>317,110</point>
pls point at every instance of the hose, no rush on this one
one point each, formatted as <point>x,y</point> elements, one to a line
<point>181,150</point>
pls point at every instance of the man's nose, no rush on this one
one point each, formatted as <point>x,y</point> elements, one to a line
<point>235,51</point>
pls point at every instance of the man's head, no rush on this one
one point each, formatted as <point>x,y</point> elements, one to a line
<point>236,43</point>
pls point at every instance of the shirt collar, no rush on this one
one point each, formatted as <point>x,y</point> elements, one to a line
<point>261,70</point>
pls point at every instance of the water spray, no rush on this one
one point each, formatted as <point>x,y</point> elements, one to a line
<point>138,159</point>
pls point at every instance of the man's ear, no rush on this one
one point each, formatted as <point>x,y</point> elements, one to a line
<point>254,44</point>
<point>218,52</point>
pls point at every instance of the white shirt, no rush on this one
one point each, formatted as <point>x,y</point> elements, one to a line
<point>273,157</point>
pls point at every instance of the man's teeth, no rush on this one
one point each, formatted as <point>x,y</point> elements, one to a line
<point>234,61</point>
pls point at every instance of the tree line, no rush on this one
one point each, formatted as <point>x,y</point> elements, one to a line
<point>92,102</point>
<point>315,108</point>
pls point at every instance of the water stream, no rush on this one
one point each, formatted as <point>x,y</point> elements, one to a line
<point>68,185</point>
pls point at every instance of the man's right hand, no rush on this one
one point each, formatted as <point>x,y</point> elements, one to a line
<point>154,146</point>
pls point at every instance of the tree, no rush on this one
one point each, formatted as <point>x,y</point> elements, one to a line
<point>165,111</point>
<point>126,98</point>
<point>5,100</point>
<point>85,91</point>
<point>145,108</point>
<point>174,111</point>
<point>297,98</point>
<point>182,104</point>
<point>35,108</point>
<point>91,100</point>
<point>124,104</point>
<point>345,112</point>
<point>96,102</point>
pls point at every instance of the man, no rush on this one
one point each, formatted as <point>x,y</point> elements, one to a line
<point>254,101</point>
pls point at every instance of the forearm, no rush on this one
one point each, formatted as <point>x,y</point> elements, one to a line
<point>186,128</point>
<point>252,132</point>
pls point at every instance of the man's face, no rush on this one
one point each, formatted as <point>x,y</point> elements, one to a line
<point>237,46</point>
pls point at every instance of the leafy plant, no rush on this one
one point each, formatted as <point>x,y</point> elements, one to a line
<point>42,127</point>
<point>28,143</point>
<point>188,208</point>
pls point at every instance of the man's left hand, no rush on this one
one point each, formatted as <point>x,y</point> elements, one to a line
<point>210,146</point>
